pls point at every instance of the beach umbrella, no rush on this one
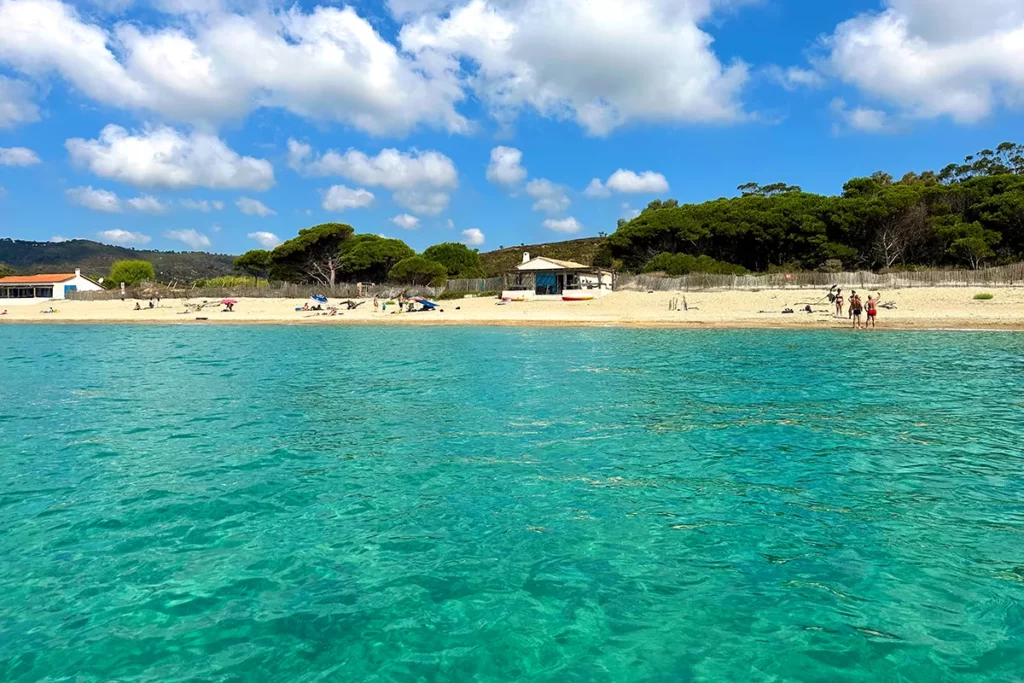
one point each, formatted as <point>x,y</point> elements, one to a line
<point>228,302</point>
<point>319,298</point>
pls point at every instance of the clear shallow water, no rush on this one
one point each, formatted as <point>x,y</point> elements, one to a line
<point>284,503</point>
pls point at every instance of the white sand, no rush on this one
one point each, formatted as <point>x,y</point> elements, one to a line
<point>937,308</point>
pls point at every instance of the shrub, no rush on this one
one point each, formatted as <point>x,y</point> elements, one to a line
<point>832,265</point>
<point>448,295</point>
<point>983,296</point>
<point>130,273</point>
<point>228,281</point>
<point>675,265</point>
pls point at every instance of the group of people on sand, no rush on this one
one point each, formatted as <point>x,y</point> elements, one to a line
<point>857,308</point>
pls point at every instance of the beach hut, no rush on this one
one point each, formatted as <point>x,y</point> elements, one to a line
<point>542,278</point>
<point>31,289</point>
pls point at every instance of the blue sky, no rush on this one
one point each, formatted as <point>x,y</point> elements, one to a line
<point>221,126</point>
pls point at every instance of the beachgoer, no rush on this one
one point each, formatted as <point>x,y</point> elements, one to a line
<point>151,305</point>
<point>158,298</point>
<point>853,293</point>
<point>376,303</point>
<point>4,312</point>
<point>137,306</point>
<point>839,303</point>
<point>873,309</point>
<point>855,310</point>
<point>305,306</point>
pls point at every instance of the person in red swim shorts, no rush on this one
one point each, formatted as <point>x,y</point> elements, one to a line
<point>872,310</point>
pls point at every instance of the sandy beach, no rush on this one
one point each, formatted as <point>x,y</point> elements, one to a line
<point>923,308</point>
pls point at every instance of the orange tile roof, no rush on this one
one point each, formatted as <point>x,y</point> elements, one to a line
<point>45,278</point>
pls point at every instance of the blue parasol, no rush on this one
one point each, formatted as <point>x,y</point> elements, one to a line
<point>319,298</point>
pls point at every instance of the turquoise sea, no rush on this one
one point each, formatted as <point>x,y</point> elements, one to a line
<point>491,504</point>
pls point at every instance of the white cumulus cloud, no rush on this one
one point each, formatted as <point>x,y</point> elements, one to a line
<point>97,200</point>
<point>203,205</point>
<point>405,221</point>
<point>601,64</point>
<point>253,207</point>
<point>931,58</point>
<point>794,77</point>
<point>163,157</point>
<point>16,105</point>
<point>859,118</point>
<point>564,225</point>
<point>18,156</point>
<point>340,198</point>
<point>147,204</point>
<point>123,238</point>
<point>389,168</point>
<point>267,240</point>
<point>327,64</point>
<point>629,182</point>
<point>472,237</point>
<point>550,197</point>
<point>506,166</point>
<point>195,240</point>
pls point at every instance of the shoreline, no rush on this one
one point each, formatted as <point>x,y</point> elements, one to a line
<point>585,324</point>
<point>926,309</point>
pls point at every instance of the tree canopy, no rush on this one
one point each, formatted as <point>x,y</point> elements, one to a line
<point>459,260</point>
<point>967,214</point>
<point>369,258</point>
<point>417,270</point>
<point>130,272</point>
<point>312,255</point>
<point>255,262</point>
<point>5,270</point>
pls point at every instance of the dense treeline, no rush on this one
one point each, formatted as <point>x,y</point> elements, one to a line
<point>967,214</point>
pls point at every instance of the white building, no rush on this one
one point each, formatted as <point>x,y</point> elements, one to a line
<point>543,279</point>
<point>32,289</point>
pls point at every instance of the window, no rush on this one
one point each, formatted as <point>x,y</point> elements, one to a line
<point>44,292</point>
<point>17,292</point>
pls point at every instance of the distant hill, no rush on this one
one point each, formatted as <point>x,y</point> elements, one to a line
<point>95,258</point>
<point>503,260</point>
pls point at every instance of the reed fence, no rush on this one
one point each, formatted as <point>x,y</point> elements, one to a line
<point>276,290</point>
<point>1001,276</point>
<point>483,284</point>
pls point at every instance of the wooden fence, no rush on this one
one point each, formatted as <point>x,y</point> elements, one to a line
<point>1001,276</point>
<point>276,290</point>
<point>483,284</point>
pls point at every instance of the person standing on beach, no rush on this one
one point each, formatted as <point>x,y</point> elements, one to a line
<point>872,310</point>
<point>839,303</point>
<point>855,309</point>
<point>376,303</point>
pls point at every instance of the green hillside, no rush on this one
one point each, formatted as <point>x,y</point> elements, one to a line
<point>503,260</point>
<point>95,258</point>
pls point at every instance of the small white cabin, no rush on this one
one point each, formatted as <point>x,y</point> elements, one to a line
<point>32,289</point>
<point>544,278</point>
